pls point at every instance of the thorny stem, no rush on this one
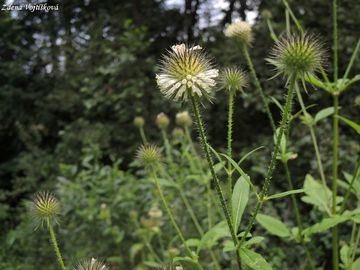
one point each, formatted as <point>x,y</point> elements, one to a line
<point>229,152</point>
<point>55,245</point>
<point>172,219</point>
<point>205,146</point>
<point>313,137</point>
<point>335,39</point>
<point>258,86</point>
<point>348,191</point>
<point>283,124</point>
<point>297,216</point>
<point>334,180</point>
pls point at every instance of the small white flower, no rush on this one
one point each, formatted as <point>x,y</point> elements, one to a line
<point>184,72</point>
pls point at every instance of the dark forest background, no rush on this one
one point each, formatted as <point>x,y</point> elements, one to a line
<point>75,78</point>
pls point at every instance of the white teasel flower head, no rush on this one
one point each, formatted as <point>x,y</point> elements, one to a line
<point>92,264</point>
<point>185,72</point>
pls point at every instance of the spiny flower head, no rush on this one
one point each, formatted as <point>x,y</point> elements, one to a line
<point>266,14</point>
<point>92,264</point>
<point>297,55</point>
<point>155,212</point>
<point>183,119</point>
<point>139,121</point>
<point>162,120</point>
<point>45,208</point>
<point>240,31</point>
<point>185,72</point>
<point>149,155</point>
<point>233,79</point>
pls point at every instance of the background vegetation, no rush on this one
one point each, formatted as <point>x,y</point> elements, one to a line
<point>71,83</point>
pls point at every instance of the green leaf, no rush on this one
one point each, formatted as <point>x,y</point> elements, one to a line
<point>324,113</point>
<point>193,242</point>
<point>317,194</point>
<point>325,224</point>
<point>273,225</point>
<point>316,82</point>
<point>345,253</point>
<point>249,154</point>
<point>352,124</point>
<point>152,264</point>
<point>253,241</point>
<point>211,237</point>
<point>241,172</point>
<point>284,194</point>
<point>183,259</point>
<point>277,103</point>
<point>240,198</point>
<point>254,260</point>
<point>356,264</point>
<point>135,249</point>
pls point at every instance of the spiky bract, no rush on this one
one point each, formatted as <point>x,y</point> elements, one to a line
<point>149,155</point>
<point>233,79</point>
<point>184,72</point>
<point>92,264</point>
<point>299,55</point>
<point>240,31</point>
<point>45,208</point>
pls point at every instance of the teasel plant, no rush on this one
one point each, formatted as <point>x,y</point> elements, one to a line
<point>45,211</point>
<point>139,122</point>
<point>335,88</point>
<point>187,74</point>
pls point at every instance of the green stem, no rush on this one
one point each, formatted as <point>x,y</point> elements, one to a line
<point>356,244</point>
<point>348,191</point>
<point>191,212</point>
<point>142,134</point>
<point>334,180</point>
<point>172,219</point>
<point>152,251</point>
<point>229,152</point>
<point>205,146</point>
<point>272,33</point>
<point>56,246</point>
<point>283,124</point>
<point>258,87</point>
<point>297,216</point>
<point>167,145</point>
<point>313,137</point>
<point>335,39</point>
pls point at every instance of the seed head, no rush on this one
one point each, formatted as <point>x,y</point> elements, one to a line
<point>240,31</point>
<point>45,208</point>
<point>266,14</point>
<point>186,72</point>
<point>139,121</point>
<point>148,155</point>
<point>297,55</point>
<point>178,133</point>
<point>233,79</point>
<point>183,119</point>
<point>162,120</point>
<point>92,264</point>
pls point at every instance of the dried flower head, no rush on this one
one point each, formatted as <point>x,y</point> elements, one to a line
<point>185,72</point>
<point>162,120</point>
<point>92,264</point>
<point>139,121</point>
<point>148,155</point>
<point>297,55</point>
<point>45,208</point>
<point>183,119</point>
<point>233,79</point>
<point>240,31</point>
